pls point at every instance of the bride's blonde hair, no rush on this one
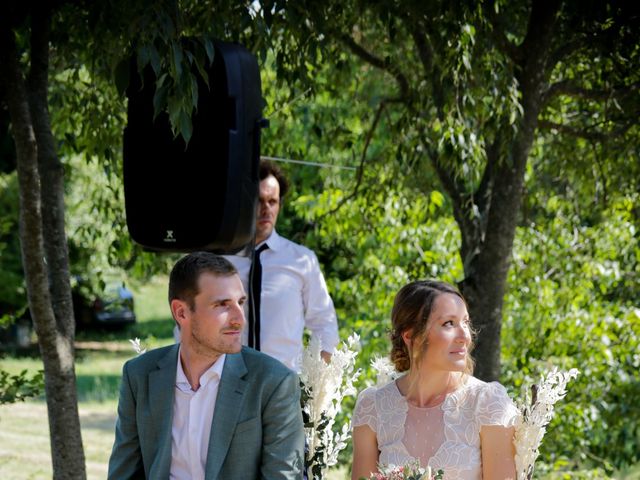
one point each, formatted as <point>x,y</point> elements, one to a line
<point>411,310</point>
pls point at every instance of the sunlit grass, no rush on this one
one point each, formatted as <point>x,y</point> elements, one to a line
<point>25,451</point>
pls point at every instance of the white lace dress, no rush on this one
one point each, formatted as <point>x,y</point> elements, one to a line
<point>451,439</point>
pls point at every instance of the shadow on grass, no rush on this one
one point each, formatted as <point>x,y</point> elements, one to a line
<point>157,328</point>
<point>98,388</point>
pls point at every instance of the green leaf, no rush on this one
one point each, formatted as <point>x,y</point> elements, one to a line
<point>176,57</point>
<point>160,100</point>
<point>186,126</point>
<point>143,56</point>
<point>210,48</point>
<point>199,61</point>
<point>122,75</point>
<point>154,58</point>
<point>436,198</point>
<point>194,91</point>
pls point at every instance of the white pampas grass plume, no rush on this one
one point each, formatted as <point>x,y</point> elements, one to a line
<point>324,386</point>
<point>536,414</point>
<point>135,343</point>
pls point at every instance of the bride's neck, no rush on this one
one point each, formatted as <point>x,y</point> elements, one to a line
<point>428,389</point>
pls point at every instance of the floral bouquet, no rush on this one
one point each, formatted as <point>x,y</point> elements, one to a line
<point>410,471</point>
<point>537,412</point>
<point>324,385</point>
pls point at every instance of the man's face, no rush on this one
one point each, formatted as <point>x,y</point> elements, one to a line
<point>268,208</point>
<point>215,324</point>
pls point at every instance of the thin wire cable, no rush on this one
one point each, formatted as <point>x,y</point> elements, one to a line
<point>304,162</point>
<point>288,104</point>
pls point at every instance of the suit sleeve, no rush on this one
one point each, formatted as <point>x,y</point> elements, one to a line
<point>283,433</point>
<point>126,456</point>
<point>319,312</point>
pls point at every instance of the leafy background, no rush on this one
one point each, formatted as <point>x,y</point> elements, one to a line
<point>574,282</point>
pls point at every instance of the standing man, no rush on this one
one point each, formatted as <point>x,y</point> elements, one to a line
<point>292,293</point>
<point>207,408</point>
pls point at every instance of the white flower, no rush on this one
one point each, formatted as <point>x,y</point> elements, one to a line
<point>325,385</point>
<point>536,414</point>
<point>135,343</point>
<point>386,371</point>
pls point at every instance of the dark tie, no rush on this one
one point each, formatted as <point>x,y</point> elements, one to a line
<point>254,302</point>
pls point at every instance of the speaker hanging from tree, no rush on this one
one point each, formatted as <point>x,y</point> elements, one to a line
<point>200,196</point>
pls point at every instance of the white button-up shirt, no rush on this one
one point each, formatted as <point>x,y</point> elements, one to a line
<point>294,296</point>
<point>192,417</point>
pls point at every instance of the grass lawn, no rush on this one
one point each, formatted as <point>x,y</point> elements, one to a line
<point>24,444</point>
<point>25,451</point>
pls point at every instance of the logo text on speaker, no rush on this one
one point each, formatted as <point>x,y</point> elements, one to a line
<point>169,238</point>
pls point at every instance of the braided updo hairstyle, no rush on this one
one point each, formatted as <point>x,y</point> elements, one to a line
<point>411,310</point>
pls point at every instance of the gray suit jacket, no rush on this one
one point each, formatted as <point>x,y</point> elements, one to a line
<point>257,430</point>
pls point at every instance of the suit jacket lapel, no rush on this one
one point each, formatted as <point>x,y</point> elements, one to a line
<point>161,391</point>
<point>228,406</point>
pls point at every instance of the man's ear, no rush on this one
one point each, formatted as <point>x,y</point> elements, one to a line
<point>179,310</point>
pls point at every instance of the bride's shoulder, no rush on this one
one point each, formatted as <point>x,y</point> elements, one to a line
<point>475,383</point>
<point>376,404</point>
<point>376,392</point>
<point>489,400</point>
<point>475,390</point>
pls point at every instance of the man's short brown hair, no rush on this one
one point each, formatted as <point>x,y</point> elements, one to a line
<point>267,168</point>
<point>183,281</point>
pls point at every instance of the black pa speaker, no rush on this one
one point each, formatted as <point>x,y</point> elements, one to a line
<point>200,196</point>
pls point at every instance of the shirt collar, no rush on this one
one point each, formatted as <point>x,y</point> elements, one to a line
<point>214,371</point>
<point>274,241</point>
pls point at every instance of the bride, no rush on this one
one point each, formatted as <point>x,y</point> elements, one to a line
<point>437,413</point>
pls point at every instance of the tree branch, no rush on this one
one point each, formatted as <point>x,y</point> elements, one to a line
<point>571,88</point>
<point>450,184</point>
<point>382,64</point>
<point>586,133</point>
<point>483,192</point>
<point>363,158</point>
<point>562,52</point>
<point>497,34</point>
<point>540,29</point>
<point>426,54</point>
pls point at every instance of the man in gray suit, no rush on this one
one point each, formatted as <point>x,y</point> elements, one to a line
<point>207,408</point>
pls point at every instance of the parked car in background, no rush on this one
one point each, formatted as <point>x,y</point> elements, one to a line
<point>17,335</point>
<point>114,308</point>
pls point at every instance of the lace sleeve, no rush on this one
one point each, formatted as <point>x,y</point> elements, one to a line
<point>494,406</point>
<point>365,411</point>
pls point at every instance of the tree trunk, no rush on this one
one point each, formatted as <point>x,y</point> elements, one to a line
<point>52,172</point>
<point>486,274</point>
<point>56,343</point>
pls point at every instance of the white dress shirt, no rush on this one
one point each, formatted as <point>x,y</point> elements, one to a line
<point>192,417</point>
<point>294,296</point>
